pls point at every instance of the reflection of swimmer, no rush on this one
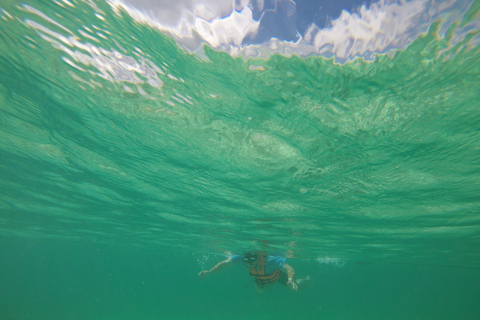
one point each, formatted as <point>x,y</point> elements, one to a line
<point>265,268</point>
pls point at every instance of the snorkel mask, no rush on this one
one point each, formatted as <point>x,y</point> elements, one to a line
<point>249,257</point>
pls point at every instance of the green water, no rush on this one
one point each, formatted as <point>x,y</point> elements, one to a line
<point>127,165</point>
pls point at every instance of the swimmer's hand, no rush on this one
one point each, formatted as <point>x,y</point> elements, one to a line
<point>203,274</point>
<point>292,284</point>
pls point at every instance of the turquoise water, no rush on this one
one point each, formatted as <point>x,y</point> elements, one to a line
<point>128,165</point>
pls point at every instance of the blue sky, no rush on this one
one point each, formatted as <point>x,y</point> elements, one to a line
<point>283,19</point>
<point>344,29</point>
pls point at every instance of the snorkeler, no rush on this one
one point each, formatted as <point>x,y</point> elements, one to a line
<point>265,268</point>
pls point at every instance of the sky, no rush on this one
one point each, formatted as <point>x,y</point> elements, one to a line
<point>283,19</point>
<point>344,29</point>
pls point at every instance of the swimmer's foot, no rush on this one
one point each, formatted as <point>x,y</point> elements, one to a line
<point>303,283</point>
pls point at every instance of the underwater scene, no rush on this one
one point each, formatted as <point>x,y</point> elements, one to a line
<point>247,159</point>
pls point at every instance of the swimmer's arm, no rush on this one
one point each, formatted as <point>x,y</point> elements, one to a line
<point>216,269</point>
<point>289,271</point>
<point>291,276</point>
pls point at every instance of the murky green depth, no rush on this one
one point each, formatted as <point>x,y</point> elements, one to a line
<point>128,165</point>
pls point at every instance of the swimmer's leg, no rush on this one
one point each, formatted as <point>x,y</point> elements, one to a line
<point>303,283</point>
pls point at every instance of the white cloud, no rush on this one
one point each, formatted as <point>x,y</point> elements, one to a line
<point>224,25</point>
